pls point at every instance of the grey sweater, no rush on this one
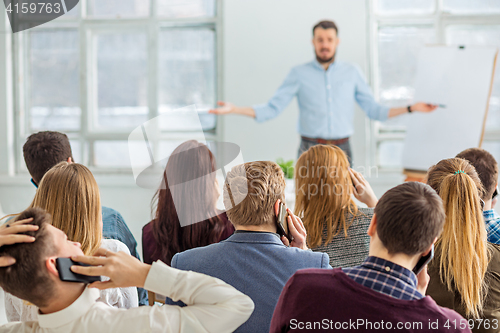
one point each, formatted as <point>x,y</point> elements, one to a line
<point>353,250</point>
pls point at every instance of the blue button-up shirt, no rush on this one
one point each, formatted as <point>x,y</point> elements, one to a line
<point>326,99</point>
<point>492,220</point>
<point>386,277</point>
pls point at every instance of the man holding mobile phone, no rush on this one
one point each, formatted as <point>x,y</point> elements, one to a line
<point>255,259</point>
<point>212,305</point>
<point>382,293</point>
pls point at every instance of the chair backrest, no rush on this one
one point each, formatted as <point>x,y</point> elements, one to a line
<point>155,298</point>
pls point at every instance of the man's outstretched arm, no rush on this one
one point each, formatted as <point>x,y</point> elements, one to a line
<point>227,108</point>
<point>212,305</point>
<point>280,100</point>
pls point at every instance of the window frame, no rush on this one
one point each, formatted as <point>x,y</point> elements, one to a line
<point>87,27</point>
<point>440,20</point>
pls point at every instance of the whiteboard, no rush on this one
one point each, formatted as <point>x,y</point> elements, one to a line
<point>460,79</point>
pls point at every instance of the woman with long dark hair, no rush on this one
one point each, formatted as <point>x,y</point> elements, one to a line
<point>186,215</point>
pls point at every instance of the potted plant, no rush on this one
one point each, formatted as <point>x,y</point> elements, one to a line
<point>288,169</point>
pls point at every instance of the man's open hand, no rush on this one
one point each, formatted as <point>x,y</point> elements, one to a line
<point>223,108</point>
<point>122,269</point>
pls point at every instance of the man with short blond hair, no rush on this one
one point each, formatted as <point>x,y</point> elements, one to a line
<point>256,186</point>
<point>254,260</point>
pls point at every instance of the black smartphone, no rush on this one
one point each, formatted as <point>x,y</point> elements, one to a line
<point>495,193</point>
<point>65,273</point>
<point>424,260</point>
<point>282,222</point>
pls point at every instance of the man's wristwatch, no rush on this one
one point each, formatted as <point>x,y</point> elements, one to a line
<point>409,109</point>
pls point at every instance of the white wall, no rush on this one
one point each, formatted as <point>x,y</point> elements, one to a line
<point>262,40</point>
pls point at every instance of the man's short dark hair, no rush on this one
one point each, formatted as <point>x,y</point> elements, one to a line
<point>486,166</point>
<point>43,150</point>
<point>28,278</point>
<point>409,217</point>
<point>326,25</point>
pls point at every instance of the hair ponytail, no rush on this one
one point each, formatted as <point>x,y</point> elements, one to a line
<point>462,247</point>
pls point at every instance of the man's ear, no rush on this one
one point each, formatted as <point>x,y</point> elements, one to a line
<point>69,160</point>
<point>50,264</point>
<point>277,207</point>
<point>372,229</point>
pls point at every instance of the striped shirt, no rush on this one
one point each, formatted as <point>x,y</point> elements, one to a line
<point>492,220</point>
<point>353,250</point>
<point>386,277</point>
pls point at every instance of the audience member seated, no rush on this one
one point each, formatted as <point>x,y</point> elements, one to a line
<point>324,188</point>
<point>213,306</point>
<point>383,293</point>
<point>45,149</point>
<point>254,260</point>
<point>186,217</point>
<point>70,194</point>
<point>487,169</point>
<point>465,271</point>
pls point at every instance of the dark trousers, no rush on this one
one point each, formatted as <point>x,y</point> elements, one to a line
<point>306,144</point>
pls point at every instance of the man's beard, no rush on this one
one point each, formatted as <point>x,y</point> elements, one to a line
<point>325,61</point>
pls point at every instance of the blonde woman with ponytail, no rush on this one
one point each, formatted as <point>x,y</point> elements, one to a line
<point>69,193</point>
<point>324,190</point>
<point>465,271</point>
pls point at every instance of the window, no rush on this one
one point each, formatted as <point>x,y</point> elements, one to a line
<point>399,29</point>
<point>108,66</point>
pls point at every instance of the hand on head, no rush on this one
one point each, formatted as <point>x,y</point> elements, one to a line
<point>9,234</point>
<point>122,269</point>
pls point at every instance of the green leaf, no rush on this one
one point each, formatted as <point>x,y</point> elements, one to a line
<point>287,167</point>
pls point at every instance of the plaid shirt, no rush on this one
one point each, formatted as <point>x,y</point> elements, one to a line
<point>492,220</point>
<point>386,277</point>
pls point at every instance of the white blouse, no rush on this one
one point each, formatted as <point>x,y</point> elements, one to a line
<point>19,310</point>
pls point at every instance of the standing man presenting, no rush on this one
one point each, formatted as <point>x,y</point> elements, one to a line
<point>326,90</point>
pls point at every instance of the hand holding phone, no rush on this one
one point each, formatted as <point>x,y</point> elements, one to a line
<point>423,261</point>
<point>282,222</point>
